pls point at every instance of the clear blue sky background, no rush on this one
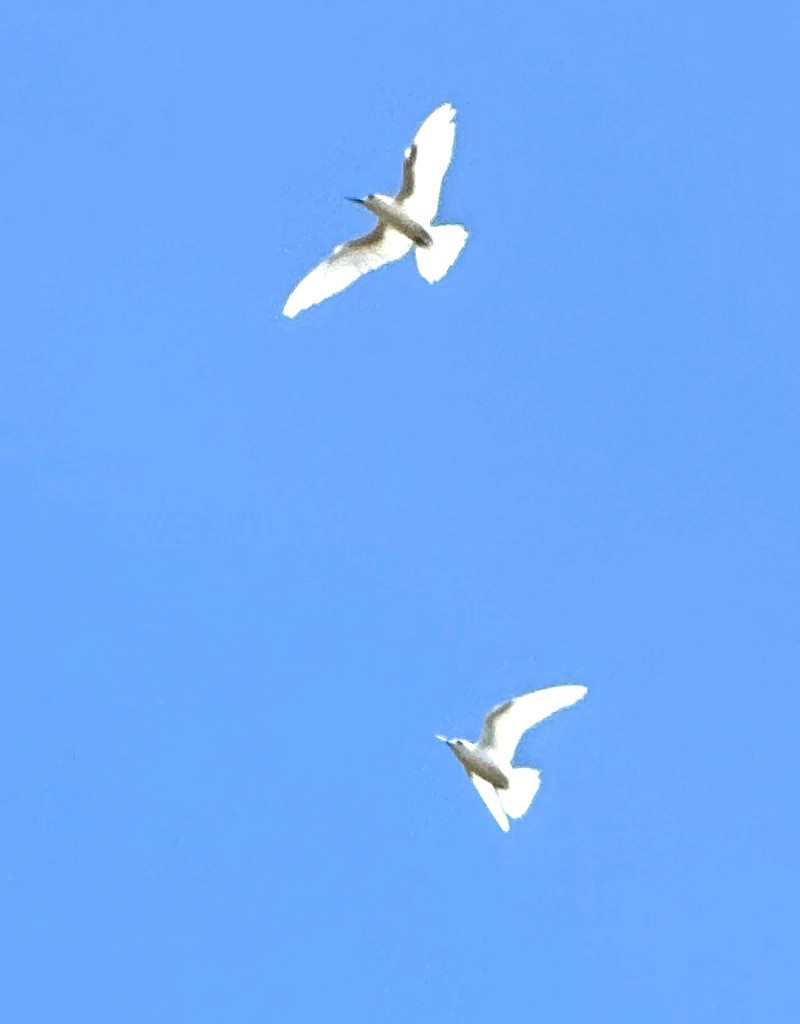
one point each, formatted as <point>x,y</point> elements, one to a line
<point>251,566</point>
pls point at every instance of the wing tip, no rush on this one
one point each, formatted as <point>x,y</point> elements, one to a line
<point>577,691</point>
<point>445,113</point>
<point>291,310</point>
<point>445,110</point>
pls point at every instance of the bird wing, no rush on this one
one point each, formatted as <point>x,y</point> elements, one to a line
<point>489,796</point>
<point>407,187</point>
<point>504,725</point>
<point>425,164</point>
<point>345,265</point>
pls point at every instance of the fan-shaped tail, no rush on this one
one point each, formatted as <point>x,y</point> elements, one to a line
<point>523,787</point>
<point>433,261</point>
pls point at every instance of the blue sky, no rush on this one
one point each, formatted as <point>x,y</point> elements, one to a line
<point>252,565</point>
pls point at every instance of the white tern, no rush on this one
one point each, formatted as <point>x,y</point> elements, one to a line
<point>403,222</point>
<point>508,791</point>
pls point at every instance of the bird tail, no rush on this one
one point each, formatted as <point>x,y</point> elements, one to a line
<point>522,788</point>
<point>434,260</point>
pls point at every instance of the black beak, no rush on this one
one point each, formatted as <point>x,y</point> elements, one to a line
<point>351,200</point>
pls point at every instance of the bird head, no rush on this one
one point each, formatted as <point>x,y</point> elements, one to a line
<point>453,744</point>
<point>374,202</point>
<point>461,748</point>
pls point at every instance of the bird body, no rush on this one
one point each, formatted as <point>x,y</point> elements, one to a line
<point>404,222</point>
<point>508,791</point>
<point>479,762</point>
<point>391,214</point>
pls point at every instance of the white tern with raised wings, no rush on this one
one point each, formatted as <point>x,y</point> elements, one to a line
<point>404,222</point>
<point>508,791</point>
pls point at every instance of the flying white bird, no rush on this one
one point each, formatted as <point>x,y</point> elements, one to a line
<point>508,791</point>
<point>403,222</point>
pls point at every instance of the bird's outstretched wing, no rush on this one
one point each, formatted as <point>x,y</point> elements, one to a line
<point>425,164</point>
<point>345,265</point>
<point>504,725</point>
<point>489,796</point>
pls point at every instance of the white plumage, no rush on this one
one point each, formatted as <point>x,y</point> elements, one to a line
<point>508,791</point>
<point>404,222</point>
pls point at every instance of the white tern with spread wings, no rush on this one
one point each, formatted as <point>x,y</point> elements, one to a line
<point>508,791</point>
<point>403,222</point>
